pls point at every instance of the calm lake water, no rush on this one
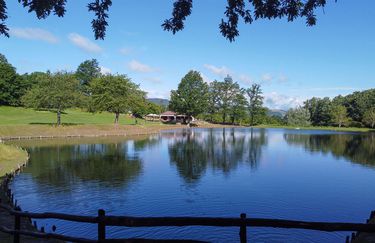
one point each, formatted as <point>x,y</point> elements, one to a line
<point>268,173</point>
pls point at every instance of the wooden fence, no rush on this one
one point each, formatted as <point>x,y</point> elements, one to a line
<point>102,221</point>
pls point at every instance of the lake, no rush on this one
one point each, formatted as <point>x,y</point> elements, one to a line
<point>307,175</point>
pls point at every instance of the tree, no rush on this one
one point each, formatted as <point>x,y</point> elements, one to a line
<point>213,94</point>
<point>255,102</point>
<point>191,96</point>
<point>3,59</point>
<point>320,111</point>
<point>298,117</point>
<point>339,115</point>
<point>57,92</point>
<point>248,11</point>
<point>369,117</point>
<point>86,72</point>
<point>33,78</point>
<point>238,108</point>
<point>12,86</point>
<point>116,94</point>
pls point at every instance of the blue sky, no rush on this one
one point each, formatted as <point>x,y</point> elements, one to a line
<point>291,61</point>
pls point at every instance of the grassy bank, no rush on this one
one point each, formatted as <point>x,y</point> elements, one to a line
<point>337,129</point>
<point>23,116</point>
<point>35,131</point>
<point>17,122</point>
<point>10,158</point>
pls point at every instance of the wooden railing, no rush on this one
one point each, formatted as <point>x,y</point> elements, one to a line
<point>102,221</point>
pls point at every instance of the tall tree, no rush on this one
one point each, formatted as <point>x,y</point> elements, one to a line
<point>238,109</point>
<point>298,117</point>
<point>3,59</point>
<point>254,94</point>
<point>57,92</point>
<point>320,111</point>
<point>116,94</point>
<point>86,72</point>
<point>235,10</point>
<point>191,96</point>
<point>225,96</point>
<point>12,86</point>
<point>339,115</point>
<point>369,117</point>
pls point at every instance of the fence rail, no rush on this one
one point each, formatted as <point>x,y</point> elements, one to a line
<point>103,221</point>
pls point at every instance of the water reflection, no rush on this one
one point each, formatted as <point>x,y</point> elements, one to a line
<point>111,164</point>
<point>193,151</point>
<point>270,173</point>
<point>358,148</point>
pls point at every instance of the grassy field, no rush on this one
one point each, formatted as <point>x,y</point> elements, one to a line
<point>17,122</point>
<point>10,157</point>
<point>24,116</point>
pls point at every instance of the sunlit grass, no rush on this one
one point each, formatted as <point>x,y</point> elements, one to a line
<point>10,158</point>
<point>23,116</point>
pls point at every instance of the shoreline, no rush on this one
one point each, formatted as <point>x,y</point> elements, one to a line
<point>47,132</point>
<point>26,132</point>
<point>12,158</point>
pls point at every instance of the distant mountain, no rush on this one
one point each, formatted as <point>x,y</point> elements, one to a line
<point>276,112</point>
<point>159,101</point>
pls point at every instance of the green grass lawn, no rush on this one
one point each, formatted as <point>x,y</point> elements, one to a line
<point>10,157</point>
<point>24,116</point>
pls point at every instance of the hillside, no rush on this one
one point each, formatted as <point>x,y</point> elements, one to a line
<point>276,112</point>
<point>159,101</point>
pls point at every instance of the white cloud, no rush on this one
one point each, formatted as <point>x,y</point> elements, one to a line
<point>140,67</point>
<point>105,70</point>
<point>245,79</point>
<point>34,34</point>
<point>222,71</point>
<point>274,100</point>
<point>154,80</point>
<point>125,51</point>
<point>84,43</point>
<point>266,77</point>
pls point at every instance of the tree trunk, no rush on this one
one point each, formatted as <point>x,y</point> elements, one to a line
<point>224,115</point>
<point>373,124</point>
<point>58,117</point>
<point>117,115</point>
<point>339,124</point>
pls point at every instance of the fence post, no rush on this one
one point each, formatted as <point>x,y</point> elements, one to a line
<point>17,226</point>
<point>243,234</point>
<point>101,225</point>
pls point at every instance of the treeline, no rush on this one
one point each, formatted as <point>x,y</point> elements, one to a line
<point>220,101</point>
<point>86,88</point>
<point>226,102</point>
<point>353,110</point>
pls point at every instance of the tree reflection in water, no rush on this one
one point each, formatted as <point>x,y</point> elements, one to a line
<point>356,147</point>
<point>194,151</point>
<point>63,165</point>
